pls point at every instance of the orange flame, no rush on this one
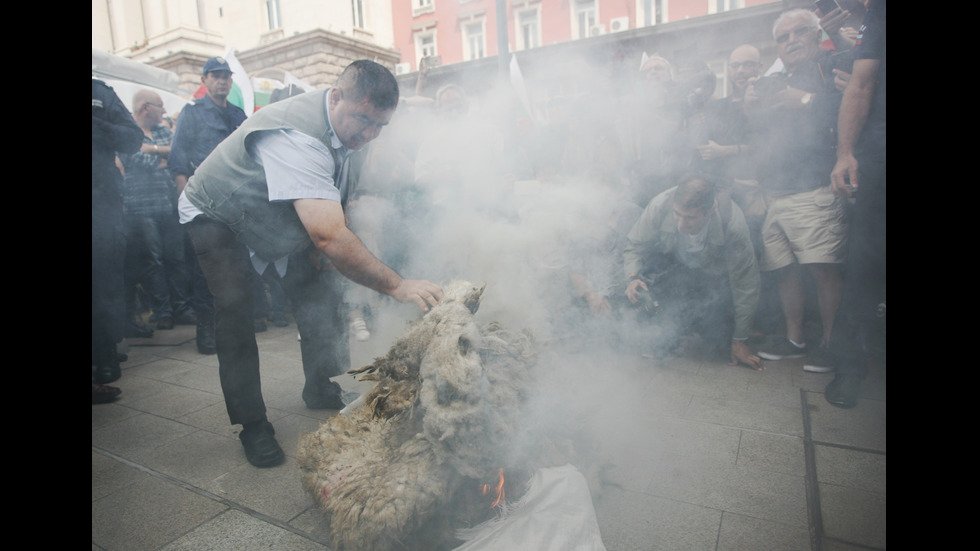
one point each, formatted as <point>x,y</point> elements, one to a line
<point>485,489</point>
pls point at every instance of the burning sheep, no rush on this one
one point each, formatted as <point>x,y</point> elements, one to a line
<point>440,422</point>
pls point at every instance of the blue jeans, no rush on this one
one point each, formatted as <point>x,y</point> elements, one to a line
<point>155,249</point>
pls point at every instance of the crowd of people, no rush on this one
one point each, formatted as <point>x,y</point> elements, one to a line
<point>636,219</point>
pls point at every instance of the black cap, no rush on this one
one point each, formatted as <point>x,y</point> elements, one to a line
<point>215,64</point>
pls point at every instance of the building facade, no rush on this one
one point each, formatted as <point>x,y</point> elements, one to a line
<point>312,39</point>
<point>466,30</point>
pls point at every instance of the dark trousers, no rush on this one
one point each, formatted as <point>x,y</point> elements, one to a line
<point>156,258</point>
<point>317,300</point>
<point>859,317</point>
<point>108,254</point>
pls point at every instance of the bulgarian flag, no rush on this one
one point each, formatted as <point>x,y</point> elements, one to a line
<point>241,93</point>
<point>263,88</point>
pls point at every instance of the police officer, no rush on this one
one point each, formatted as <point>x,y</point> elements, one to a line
<point>113,131</point>
<point>202,125</point>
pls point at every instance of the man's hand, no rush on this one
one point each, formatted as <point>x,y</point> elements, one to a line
<point>790,98</point>
<point>844,177</point>
<point>831,22</point>
<point>633,290</point>
<point>712,150</point>
<point>841,79</point>
<point>598,304</point>
<point>423,293</point>
<point>742,354</point>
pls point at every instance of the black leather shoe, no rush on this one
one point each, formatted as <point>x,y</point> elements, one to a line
<point>279,320</point>
<point>103,394</point>
<point>205,339</point>
<point>843,390</point>
<point>165,323</point>
<point>330,398</point>
<point>106,373</point>
<point>261,448</point>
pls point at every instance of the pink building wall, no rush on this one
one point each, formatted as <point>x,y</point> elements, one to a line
<point>555,22</point>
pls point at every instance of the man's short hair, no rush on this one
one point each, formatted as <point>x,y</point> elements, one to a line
<point>812,20</point>
<point>366,79</point>
<point>695,192</point>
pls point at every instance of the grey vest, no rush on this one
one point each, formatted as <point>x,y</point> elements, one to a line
<point>230,185</point>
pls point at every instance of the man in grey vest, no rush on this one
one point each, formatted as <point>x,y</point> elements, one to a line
<point>274,192</point>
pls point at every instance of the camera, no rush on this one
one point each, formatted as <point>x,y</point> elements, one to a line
<point>767,87</point>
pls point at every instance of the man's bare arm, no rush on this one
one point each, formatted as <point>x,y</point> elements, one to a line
<point>325,222</point>
<point>854,109</point>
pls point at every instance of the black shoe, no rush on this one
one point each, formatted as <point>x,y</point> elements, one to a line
<point>106,373</point>
<point>205,339</point>
<point>843,390</point>
<point>134,331</point>
<point>165,323</point>
<point>330,398</point>
<point>280,320</point>
<point>260,326</point>
<point>103,394</point>
<point>261,448</point>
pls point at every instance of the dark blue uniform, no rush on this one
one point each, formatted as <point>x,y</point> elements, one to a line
<point>113,131</point>
<point>202,125</point>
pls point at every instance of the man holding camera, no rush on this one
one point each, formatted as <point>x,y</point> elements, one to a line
<point>689,263</point>
<point>795,113</point>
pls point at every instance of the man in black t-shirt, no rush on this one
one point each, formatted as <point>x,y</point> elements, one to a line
<point>860,173</point>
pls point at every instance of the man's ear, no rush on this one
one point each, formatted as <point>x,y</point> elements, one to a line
<point>335,95</point>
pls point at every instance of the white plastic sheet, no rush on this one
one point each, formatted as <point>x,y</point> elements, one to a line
<point>554,514</point>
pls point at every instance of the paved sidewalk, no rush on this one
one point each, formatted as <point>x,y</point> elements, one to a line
<point>705,456</point>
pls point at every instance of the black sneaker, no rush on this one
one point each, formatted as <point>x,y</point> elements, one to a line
<point>843,390</point>
<point>781,349</point>
<point>261,448</point>
<point>820,361</point>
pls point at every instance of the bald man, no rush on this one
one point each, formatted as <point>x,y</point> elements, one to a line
<point>155,240</point>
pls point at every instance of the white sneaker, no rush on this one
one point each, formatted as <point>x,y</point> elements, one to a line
<point>299,337</point>
<point>360,330</point>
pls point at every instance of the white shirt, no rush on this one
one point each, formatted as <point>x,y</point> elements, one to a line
<point>297,166</point>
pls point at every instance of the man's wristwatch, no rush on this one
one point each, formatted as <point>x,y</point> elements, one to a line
<point>805,100</point>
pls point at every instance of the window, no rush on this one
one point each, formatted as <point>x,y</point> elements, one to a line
<point>660,11</point>
<point>585,18</point>
<point>422,6</point>
<point>425,44</point>
<point>652,12</point>
<point>357,8</point>
<point>272,14</point>
<point>528,32</point>
<point>718,6</point>
<point>473,41</point>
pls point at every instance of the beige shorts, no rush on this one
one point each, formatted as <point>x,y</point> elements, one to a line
<point>805,228</point>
